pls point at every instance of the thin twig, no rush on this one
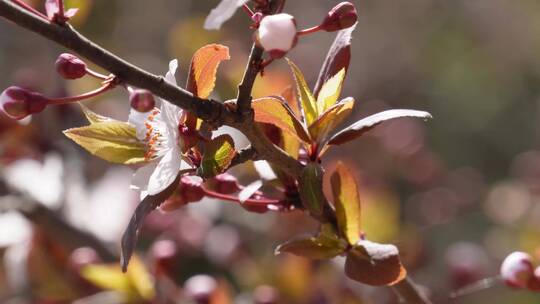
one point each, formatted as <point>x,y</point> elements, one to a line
<point>253,68</point>
<point>409,292</point>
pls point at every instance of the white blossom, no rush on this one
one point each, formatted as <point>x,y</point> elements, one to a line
<point>158,129</point>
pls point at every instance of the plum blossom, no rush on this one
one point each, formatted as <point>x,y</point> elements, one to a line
<point>158,129</point>
<point>277,33</point>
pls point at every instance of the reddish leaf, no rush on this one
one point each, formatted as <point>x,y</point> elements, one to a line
<point>363,125</point>
<point>202,72</point>
<point>374,264</point>
<point>274,111</point>
<point>347,203</point>
<point>338,57</point>
<point>328,121</point>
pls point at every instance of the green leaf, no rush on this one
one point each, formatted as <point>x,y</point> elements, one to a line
<point>328,121</point>
<point>217,157</point>
<point>114,141</point>
<point>310,188</point>
<point>347,203</point>
<point>374,264</point>
<point>363,125</point>
<point>325,245</point>
<point>330,91</point>
<point>93,117</point>
<point>307,100</point>
<point>274,111</point>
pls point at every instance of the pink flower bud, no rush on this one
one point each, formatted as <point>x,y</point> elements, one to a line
<point>517,269</point>
<point>342,16</point>
<point>70,66</point>
<point>18,103</point>
<point>277,34</point>
<point>189,191</point>
<point>142,100</point>
<point>225,183</point>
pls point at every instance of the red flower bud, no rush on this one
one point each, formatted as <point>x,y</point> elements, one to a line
<point>18,103</point>
<point>225,183</point>
<point>70,66</point>
<point>142,100</point>
<point>342,16</point>
<point>189,191</point>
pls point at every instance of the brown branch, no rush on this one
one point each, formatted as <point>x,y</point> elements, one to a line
<point>243,101</point>
<point>243,156</point>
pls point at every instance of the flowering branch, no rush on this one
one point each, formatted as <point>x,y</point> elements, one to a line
<point>215,114</point>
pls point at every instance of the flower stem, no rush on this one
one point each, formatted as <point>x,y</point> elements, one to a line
<point>30,8</point>
<point>96,74</point>
<point>61,9</point>
<point>309,30</point>
<point>231,198</point>
<point>71,99</point>
<point>248,10</point>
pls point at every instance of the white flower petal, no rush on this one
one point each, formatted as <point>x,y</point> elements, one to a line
<point>166,172</point>
<point>140,178</point>
<point>171,116</point>
<point>169,77</point>
<point>264,169</point>
<point>249,190</point>
<point>137,119</point>
<point>223,12</point>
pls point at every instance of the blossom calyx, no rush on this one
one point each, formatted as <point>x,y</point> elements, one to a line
<point>342,16</point>
<point>18,103</point>
<point>277,34</point>
<point>70,66</point>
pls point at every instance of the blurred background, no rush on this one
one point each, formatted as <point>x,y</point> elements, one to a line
<point>456,194</point>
